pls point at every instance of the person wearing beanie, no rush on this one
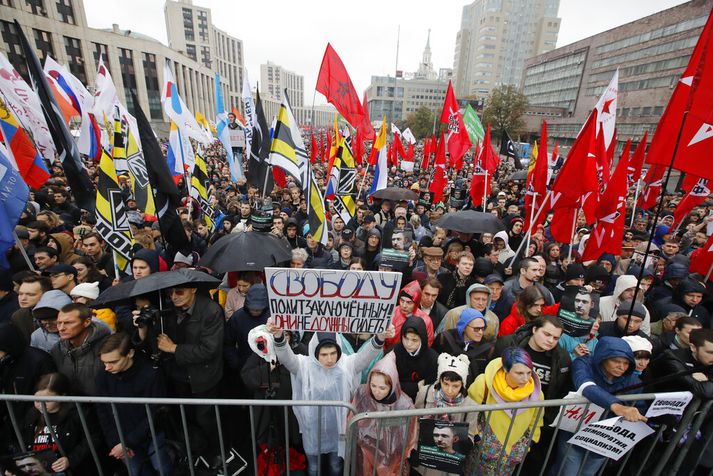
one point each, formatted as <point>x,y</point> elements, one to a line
<point>408,305</point>
<point>254,312</point>
<point>85,293</point>
<point>478,297</point>
<point>292,234</point>
<point>624,325</point>
<point>449,391</point>
<point>623,290</point>
<point>689,295</point>
<point>325,375</point>
<point>573,276</point>
<point>508,379</point>
<point>467,339</point>
<point>642,349</point>
<point>600,377</point>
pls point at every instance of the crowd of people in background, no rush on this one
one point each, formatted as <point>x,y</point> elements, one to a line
<point>480,320</point>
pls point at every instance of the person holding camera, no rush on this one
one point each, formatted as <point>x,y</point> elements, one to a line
<point>190,340</point>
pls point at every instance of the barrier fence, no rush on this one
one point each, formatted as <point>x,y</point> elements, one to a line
<point>665,453</point>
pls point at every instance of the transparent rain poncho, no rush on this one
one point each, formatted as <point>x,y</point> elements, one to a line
<point>323,430</point>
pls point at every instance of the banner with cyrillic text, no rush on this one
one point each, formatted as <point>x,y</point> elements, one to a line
<point>671,403</point>
<point>325,300</point>
<point>612,438</point>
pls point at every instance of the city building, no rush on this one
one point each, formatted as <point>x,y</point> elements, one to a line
<point>563,85</point>
<point>495,39</point>
<point>59,28</point>
<point>425,67</point>
<point>323,114</point>
<point>191,31</point>
<point>274,79</point>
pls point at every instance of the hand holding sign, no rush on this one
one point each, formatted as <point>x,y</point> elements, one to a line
<point>389,333</point>
<point>272,328</point>
<point>627,413</point>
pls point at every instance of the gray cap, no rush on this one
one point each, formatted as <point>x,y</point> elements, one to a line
<point>638,310</point>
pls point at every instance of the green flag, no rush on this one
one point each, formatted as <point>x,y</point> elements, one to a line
<point>473,125</point>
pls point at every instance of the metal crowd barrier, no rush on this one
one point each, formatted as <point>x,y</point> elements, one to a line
<point>657,457</point>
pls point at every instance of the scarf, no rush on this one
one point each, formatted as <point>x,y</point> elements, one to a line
<point>442,401</point>
<point>509,394</point>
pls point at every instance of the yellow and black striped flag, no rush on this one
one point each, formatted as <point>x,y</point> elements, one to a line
<point>288,150</point>
<point>342,182</point>
<point>316,216</point>
<point>129,158</point>
<point>200,190</point>
<point>112,220</point>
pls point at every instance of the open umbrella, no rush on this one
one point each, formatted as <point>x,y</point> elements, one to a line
<point>246,251</point>
<point>189,278</point>
<point>396,194</point>
<point>471,221</point>
<point>518,175</point>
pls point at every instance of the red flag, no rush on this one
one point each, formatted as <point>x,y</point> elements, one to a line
<point>325,156</point>
<point>603,161</point>
<point>336,85</point>
<point>693,94</point>
<point>485,165</point>
<point>537,182</point>
<point>696,195</point>
<point>439,181</point>
<point>653,183</point>
<point>562,224</point>
<point>358,148</point>
<point>313,150</point>
<point>398,149</point>
<point>458,139</point>
<point>577,179</point>
<point>279,176</point>
<point>365,127</point>
<point>373,155</point>
<point>426,153</point>
<point>606,236</point>
<point>637,160</point>
<point>702,258</point>
<point>410,153</point>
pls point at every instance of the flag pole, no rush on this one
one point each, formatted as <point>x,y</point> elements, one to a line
<point>267,175</point>
<point>23,251</point>
<point>363,180</point>
<point>574,229</point>
<point>636,199</point>
<point>532,213</point>
<point>537,216</point>
<point>659,208</point>
<point>485,190</point>
<point>708,274</point>
<point>117,275</point>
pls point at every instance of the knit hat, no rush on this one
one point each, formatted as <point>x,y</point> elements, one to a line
<point>185,259</point>
<point>87,290</point>
<point>256,297</point>
<point>574,271</point>
<point>329,339</point>
<point>449,363</point>
<point>466,317</point>
<point>638,310</point>
<point>638,343</point>
<point>373,232</point>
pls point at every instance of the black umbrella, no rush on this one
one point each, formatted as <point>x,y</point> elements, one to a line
<point>471,221</point>
<point>246,251</point>
<point>189,278</point>
<point>518,175</point>
<point>396,194</point>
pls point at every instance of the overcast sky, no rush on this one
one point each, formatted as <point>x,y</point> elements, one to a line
<point>294,34</point>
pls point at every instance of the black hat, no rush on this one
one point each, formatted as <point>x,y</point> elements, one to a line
<point>493,278</point>
<point>638,309</point>
<point>347,234</point>
<point>327,338</point>
<point>62,268</point>
<point>574,271</point>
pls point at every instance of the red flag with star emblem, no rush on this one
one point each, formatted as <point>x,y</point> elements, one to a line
<point>653,183</point>
<point>695,196</point>
<point>637,160</point>
<point>458,138</point>
<point>336,85</point>
<point>606,236</point>
<point>693,95</point>
<point>702,258</point>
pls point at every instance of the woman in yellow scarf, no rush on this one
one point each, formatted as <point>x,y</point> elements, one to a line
<point>505,435</point>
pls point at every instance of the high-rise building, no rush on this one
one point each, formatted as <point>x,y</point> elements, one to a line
<point>563,85</point>
<point>274,79</point>
<point>191,31</point>
<point>495,39</point>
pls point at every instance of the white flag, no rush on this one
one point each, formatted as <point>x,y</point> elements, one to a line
<point>606,109</point>
<point>408,135</point>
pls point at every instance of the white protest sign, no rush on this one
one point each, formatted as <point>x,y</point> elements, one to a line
<point>672,403</point>
<point>325,300</point>
<point>612,438</point>
<point>570,416</point>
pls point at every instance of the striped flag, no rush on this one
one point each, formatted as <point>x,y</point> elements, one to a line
<point>288,150</point>
<point>381,169</point>
<point>316,213</point>
<point>15,194</point>
<point>177,110</point>
<point>21,149</point>
<point>112,220</point>
<point>179,148</point>
<point>200,189</point>
<point>342,183</point>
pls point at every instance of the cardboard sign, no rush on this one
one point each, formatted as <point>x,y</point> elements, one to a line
<point>612,438</point>
<point>672,403</point>
<point>325,300</point>
<point>237,137</point>
<point>443,444</point>
<point>570,416</point>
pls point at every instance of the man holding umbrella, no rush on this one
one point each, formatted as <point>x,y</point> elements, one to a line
<point>190,337</point>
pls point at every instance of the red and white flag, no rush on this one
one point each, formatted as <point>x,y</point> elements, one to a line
<point>485,165</point>
<point>458,138</point>
<point>637,161</point>
<point>653,183</point>
<point>537,182</point>
<point>439,181</point>
<point>606,110</point>
<point>695,196</point>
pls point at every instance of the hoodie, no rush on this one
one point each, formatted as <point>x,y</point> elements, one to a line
<point>451,319</point>
<point>412,290</point>
<point>589,378</point>
<point>150,257</point>
<point>235,344</point>
<point>507,252</point>
<point>66,252</point>
<point>421,365</point>
<point>609,304</point>
<point>81,364</point>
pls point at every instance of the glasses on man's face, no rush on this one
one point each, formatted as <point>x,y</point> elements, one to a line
<point>477,328</point>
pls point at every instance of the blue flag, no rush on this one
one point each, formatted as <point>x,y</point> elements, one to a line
<point>223,132</point>
<point>13,199</point>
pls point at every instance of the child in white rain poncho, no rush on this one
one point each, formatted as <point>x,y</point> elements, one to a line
<point>324,374</point>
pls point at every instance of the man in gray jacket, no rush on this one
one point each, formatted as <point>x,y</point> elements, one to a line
<point>77,352</point>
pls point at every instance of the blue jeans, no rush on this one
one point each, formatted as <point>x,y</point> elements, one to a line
<point>336,465</point>
<point>146,461</point>
<point>570,465</point>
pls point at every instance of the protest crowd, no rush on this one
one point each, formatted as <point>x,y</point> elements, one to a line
<point>493,309</point>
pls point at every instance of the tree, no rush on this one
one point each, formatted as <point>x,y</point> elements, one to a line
<point>504,110</point>
<point>420,122</point>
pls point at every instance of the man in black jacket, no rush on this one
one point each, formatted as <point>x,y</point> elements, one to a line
<point>191,346</point>
<point>127,375</point>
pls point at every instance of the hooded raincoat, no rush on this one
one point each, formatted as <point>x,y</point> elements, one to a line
<point>323,428</point>
<point>383,442</point>
<point>609,304</point>
<point>412,289</point>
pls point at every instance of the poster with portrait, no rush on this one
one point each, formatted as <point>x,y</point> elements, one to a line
<point>401,238</point>
<point>426,198</point>
<point>443,445</point>
<point>457,198</point>
<point>575,312</point>
<point>35,462</point>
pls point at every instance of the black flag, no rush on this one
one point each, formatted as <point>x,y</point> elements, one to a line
<point>258,166</point>
<point>166,194</point>
<point>77,177</point>
<point>507,147</point>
